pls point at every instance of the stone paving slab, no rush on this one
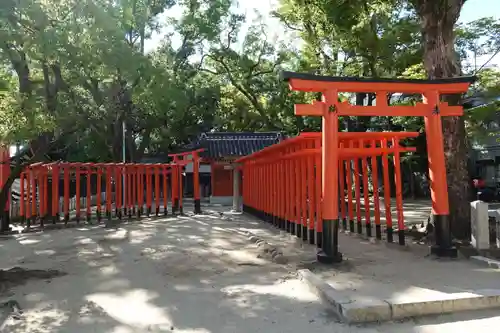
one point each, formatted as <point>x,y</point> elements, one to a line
<point>351,307</point>
<point>411,283</point>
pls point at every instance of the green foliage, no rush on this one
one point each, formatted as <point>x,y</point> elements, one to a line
<point>475,39</point>
<point>76,70</point>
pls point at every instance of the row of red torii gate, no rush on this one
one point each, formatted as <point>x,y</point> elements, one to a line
<point>311,185</point>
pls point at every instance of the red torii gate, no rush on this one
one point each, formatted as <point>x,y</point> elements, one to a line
<point>180,159</point>
<point>330,108</point>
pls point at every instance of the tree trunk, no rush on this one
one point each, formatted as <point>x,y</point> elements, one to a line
<point>438,19</point>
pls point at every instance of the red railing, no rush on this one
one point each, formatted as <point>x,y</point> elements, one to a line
<point>120,190</point>
<point>61,191</point>
<point>282,184</point>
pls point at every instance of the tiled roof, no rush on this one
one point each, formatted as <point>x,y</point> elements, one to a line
<point>234,144</point>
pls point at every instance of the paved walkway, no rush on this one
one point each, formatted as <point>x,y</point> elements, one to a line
<point>186,274</point>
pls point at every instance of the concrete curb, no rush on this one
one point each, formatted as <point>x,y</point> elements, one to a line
<point>359,309</point>
<point>348,310</point>
<point>485,262</point>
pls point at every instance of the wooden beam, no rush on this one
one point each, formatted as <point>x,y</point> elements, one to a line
<point>315,109</point>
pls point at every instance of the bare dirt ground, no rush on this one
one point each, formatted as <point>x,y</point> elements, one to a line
<point>165,275</point>
<point>197,274</point>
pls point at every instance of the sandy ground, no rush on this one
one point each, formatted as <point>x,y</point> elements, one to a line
<point>187,274</point>
<point>163,275</point>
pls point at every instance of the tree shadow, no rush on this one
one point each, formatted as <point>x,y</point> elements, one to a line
<point>182,274</point>
<point>373,270</point>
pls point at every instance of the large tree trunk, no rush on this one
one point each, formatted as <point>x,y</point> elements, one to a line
<point>440,60</point>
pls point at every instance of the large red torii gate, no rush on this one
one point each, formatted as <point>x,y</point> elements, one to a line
<point>330,108</point>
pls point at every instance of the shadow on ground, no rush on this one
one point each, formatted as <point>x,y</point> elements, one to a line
<point>179,274</point>
<point>184,274</point>
<point>374,270</point>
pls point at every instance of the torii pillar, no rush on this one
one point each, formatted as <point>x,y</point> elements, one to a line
<point>4,175</point>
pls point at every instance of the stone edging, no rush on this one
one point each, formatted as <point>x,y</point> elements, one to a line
<point>484,261</point>
<point>354,308</point>
<point>267,250</point>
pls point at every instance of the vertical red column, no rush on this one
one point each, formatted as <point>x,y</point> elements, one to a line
<point>296,195</point>
<point>29,196</point>
<point>264,190</point>
<point>175,185</point>
<point>268,190</point>
<point>399,192</point>
<point>350,207</point>
<point>243,186</point>
<point>181,188</point>
<point>55,193</point>
<point>140,190</point>
<point>289,190</point>
<point>311,197</point>
<point>261,189</point>
<point>149,189</point>
<point>39,182</point>
<point>319,199</point>
<point>342,191</point>
<point>42,191</point>
<point>130,189</point>
<point>77,194</point>
<point>274,192</point>
<point>45,193</point>
<point>34,194</point>
<point>67,170</point>
<point>357,191</point>
<point>303,191</point>
<point>376,199</point>
<point>255,190</point>
<point>4,175</point>
<point>157,189</point>
<point>282,192</point>
<point>366,193</point>
<point>124,189</point>
<point>277,191</point>
<point>89,193</point>
<point>134,181</point>
<point>443,245</point>
<point>196,183</point>
<point>330,145</point>
<point>387,193</point>
<point>109,176</point>
<point>99,190</point>
<point>165,190</point>
<point>22,194</point>
<point>118,190</point>
<point>252,187</point>
<point>249,187</point>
